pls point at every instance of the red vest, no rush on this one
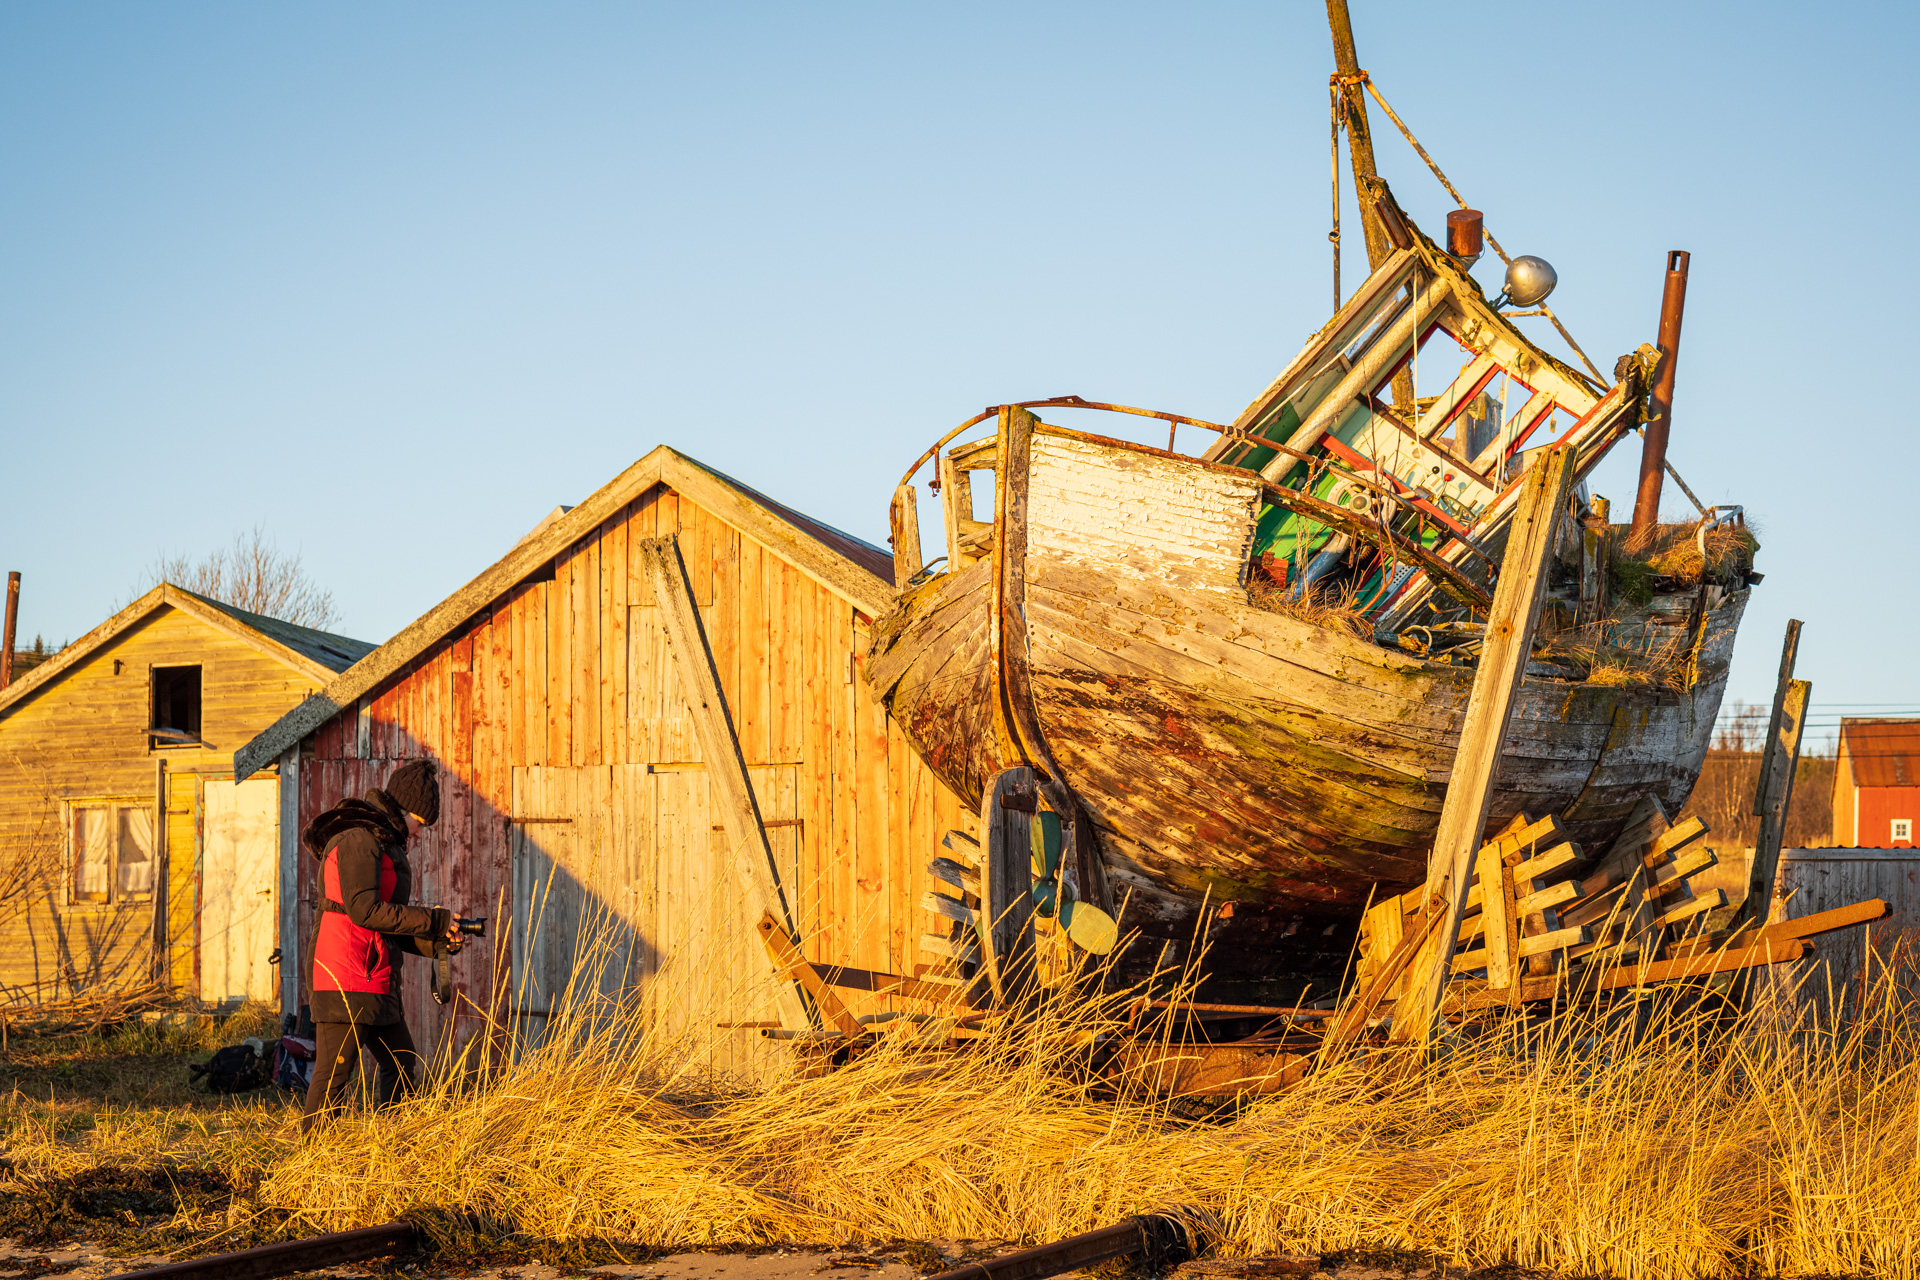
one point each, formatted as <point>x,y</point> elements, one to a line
<point>347,957</point>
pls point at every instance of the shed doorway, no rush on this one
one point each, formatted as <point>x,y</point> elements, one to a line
<point>239,875</point>
<point>625,896</point>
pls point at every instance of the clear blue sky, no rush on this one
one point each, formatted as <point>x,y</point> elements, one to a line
<point>392,281</point>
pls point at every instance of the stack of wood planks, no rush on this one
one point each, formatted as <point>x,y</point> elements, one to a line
<point>1546,919</point>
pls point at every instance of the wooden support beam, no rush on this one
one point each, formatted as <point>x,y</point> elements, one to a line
<point>1005,927</point>
<point>1594,564</point>
<point>904,516</point>
<point>1503,665</point>
<point>752,856</point>
<point>792,965</point>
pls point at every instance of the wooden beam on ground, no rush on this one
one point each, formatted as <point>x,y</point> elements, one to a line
<point>752,856</point>
<point>889,984</point>
<point>1503,665</point>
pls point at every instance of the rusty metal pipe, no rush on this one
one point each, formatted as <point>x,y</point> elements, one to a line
<point>1653,453</point>
<point>1148,1234</point>
<point>13,620</point>
<point>290,1257</point>
<point>1464,233</point>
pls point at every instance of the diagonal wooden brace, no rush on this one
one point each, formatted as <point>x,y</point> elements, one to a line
<point>752,856</point>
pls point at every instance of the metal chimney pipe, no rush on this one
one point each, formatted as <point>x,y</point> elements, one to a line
<point>1653,454</point>
<point>1464,232</point>
<point>13,619</point>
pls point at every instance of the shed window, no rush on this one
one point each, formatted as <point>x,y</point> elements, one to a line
<point>112,849</point>
<point>1903,830</point>
<point>176,706</point>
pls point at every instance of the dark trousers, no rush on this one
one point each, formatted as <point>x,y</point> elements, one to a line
<point>336,1057</point>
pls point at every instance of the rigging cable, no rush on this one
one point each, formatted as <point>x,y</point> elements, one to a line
<point>1334,103</point>
<point>1413,142</point>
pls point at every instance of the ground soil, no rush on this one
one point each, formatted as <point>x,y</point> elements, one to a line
<point>92,1261</point>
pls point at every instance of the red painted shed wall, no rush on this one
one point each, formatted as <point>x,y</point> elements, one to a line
<point>542,678</point>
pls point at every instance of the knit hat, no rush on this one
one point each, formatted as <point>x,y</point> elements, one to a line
<point>415,787</point>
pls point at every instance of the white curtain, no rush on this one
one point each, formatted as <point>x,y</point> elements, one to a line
<point>136,851</point>
<point>91,849</point>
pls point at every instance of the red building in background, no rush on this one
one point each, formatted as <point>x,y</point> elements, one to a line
<point>1876,784</point>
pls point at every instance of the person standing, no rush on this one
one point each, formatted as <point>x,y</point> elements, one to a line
<point>366,925</point>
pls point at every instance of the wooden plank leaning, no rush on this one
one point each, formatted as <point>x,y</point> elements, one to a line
<point>904,518</point>
<point>1774,794</point>
<point>1503,664</point>
<point>752,856</point>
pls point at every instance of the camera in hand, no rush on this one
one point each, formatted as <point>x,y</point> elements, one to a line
<point>473,928</point>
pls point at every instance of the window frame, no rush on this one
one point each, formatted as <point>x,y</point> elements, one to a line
<point>113,807</point>
<point>1898,825</point>
<point>153,730</point>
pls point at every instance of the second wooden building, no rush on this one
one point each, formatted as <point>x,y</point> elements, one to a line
<point>579,808</point>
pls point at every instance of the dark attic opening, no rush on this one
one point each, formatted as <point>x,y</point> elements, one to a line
<point>176,706</point>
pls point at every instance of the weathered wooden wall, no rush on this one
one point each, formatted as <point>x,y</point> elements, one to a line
<point>1850,962</point>
<point>558,702</point>
<point>82,737</point>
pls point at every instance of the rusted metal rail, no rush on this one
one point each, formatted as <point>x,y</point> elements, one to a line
<point>1153,1234</point>
<point>290,1256</point>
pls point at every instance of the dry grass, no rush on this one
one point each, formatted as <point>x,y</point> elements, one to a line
<point>123,1098</point>
<point>1722,1150</point>
<point>1590,653</point>
<point>1334,609</point>
<point>1719,1151</point>
<point>1673,551</point>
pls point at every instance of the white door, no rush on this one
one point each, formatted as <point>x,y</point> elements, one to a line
<point>240,841</point>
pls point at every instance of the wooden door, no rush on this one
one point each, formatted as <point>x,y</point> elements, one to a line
<point>570,942</point>
<point>705,972</point>
<point>626,904</point>
<point>239,874</point>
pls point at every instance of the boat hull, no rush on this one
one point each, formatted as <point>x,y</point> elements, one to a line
<point>1227,753</point>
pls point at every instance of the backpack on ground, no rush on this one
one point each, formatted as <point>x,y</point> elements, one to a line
<point>293,1063</point>
<point>234,1069</point>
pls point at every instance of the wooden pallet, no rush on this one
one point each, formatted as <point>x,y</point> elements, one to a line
<point>1564,923</point>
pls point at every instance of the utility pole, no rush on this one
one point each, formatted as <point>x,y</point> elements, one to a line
<point>6,639</point>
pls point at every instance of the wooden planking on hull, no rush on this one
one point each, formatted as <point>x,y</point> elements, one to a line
<point>1314,786</point>
<point>1225,750</point>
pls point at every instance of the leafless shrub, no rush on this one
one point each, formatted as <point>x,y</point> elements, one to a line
<point>252,574</point>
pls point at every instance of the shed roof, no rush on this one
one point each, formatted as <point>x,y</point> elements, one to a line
<point>319,655</point>
<point>1882,753</point>
<point>851,568</point>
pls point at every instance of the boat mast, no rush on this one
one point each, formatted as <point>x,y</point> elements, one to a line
<point>1359,138</point>
<point>1351,83</point>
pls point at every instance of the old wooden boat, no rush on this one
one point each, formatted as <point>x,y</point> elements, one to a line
<point>1250,665</point>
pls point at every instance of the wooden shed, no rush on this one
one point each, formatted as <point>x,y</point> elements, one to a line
<point>1847,963</point>
<point>129,853</point>
<point>579,808</point>
<point>1876,782</point>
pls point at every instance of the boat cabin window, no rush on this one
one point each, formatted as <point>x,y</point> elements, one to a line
<point>967,496</point>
